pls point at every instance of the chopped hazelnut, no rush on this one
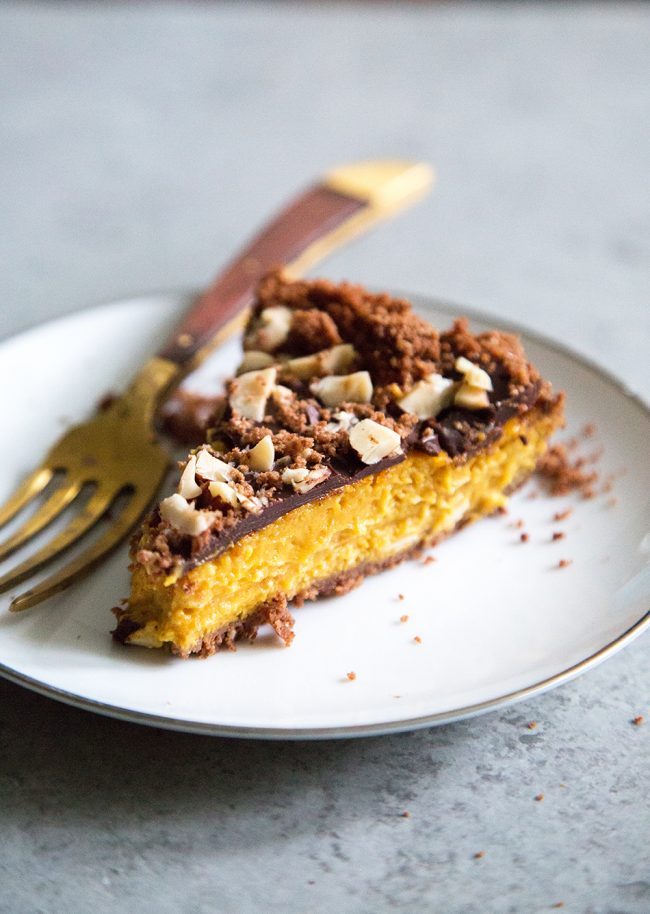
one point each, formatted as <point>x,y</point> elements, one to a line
<point>428,397</point>
<point>292,477</point>
<point>250,391</point>
<point>223,491</point>
<point>471,397</point>
<point>313,478</point>
<point>337,389</point>
<point>333,361</point>
<point>183,516</point>
<point>253,360</point>
<point>271,329</point>
<point>187,486</point>
<point>341,422</point>
<point>210,467</point>
<point>261,457</point>
<point>373,441</point>
<point>472,374</point>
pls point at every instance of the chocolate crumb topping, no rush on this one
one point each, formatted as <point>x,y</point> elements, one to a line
<point>324,333</point>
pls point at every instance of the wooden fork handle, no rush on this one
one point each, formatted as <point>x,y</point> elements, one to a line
<point>325,216</point>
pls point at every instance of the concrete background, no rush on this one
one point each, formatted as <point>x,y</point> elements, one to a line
<point>139,144</point>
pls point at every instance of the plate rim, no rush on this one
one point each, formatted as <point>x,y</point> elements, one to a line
<point>350,730</point>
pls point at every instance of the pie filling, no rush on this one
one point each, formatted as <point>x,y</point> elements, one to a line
<point>354,435</point>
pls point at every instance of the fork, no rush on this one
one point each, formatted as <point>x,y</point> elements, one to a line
<point>117,451</point>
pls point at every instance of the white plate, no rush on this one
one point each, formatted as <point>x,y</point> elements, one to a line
<point>498,621</point>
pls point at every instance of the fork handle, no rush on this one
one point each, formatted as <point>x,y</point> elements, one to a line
<point>343,204</point>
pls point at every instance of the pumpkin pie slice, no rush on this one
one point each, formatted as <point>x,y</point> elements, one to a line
<point>353,435</point>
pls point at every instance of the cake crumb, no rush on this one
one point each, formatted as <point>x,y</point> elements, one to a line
<point>479,854</point>
<point>501,510</point>
<point>404,618</point>
<point>558,904</point>
<point>519,523</point>
<point>558,535</point>
<point>532,724</point>
<point>524,537</point>
<point>406,814</point>
<point>564,563</point>
<point>638,720</point>
<point>562,515</point>
<point>589,430</point>
<point>612,502</point>
<point>539,797</point>
<point>400,596</point>
<point>563,475</point>
<point>351,676</point>
<point>417,639</point>
<point>429,559</point>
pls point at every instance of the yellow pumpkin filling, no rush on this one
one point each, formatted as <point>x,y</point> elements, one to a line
<point>379,517</point>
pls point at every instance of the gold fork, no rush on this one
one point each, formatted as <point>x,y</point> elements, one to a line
<point>116,451</point>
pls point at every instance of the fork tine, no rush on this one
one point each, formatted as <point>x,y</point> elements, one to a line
<point>80,524</point>
<point>86,561</point>
<point>27,490</point>
<point>56,503</point>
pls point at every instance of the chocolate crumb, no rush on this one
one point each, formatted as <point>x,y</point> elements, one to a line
<point>351,676</point>
<point>406,814</point>
<point>106,401</point>
<point>186,416</point>
<point>638,720</point>
<point>501,510</point>
<point>562,515</point>
<point>562,475</point>
<point>564,563</point>
<point>524,537</point>
<point>558,535</point>
<point>532,724</point>
<point>539,797</point>
<point>403,618</point>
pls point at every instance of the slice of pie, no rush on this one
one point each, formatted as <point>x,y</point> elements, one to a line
<point>353,436</point>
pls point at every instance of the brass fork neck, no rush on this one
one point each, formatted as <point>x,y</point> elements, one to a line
<point>142,397</point>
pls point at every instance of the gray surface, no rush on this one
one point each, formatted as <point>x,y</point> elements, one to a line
<point>138,146</point>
